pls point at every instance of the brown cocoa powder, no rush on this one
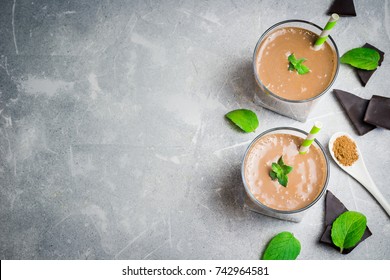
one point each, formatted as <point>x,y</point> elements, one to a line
<point>345,150</point>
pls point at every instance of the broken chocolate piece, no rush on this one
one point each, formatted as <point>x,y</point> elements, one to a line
<point>355,107</point>
<point>378,111</point>
<point>365,75</point>
<point>333,209</point>
<point>344,8</point>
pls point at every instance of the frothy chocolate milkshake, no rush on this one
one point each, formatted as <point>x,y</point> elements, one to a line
<point>305,182</point>
<point>272,64</point>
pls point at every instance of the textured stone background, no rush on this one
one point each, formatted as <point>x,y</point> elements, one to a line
<point>113,142</point>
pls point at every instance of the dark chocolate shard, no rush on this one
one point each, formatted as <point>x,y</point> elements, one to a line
<point>378,111</point>
<point>355,107</point>
<point>365,75</point>
<point>344,8</point>
<point>334,208</point>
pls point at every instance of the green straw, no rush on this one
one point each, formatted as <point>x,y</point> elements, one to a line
<point>325,33</point>
<point>310,138</point>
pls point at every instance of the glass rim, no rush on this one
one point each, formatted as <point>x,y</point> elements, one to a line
<point>258,46</point>
<point>265,207</point>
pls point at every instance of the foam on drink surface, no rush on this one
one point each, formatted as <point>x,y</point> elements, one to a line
<point>306,180</point>
<point>272,64</point>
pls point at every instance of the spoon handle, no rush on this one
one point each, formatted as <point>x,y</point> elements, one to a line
<point>369,184</point>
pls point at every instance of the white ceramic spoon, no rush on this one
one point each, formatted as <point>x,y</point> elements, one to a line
<point>358,170</point>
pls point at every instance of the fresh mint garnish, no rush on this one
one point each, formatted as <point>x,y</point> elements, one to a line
<point>283,246</point>
<point>362,58</point>
<point>279,171</point>
<point>244,119</point>
<point>348,229</point>
<point>296,64</point>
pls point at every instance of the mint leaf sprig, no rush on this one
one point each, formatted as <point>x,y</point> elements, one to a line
<point>361,58</point>
<point>283,246</point>
<point>296,64</point>
<point>348,229</point>
<point>245,119</point>
<point>279,171</point>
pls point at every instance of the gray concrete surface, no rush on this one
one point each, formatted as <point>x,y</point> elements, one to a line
<point>113,142</point>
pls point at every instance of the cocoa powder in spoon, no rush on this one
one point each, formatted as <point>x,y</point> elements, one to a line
<point>345,150</point>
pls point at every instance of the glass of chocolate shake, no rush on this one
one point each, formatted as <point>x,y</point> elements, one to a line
<point>307,181</point>
<point>284,90</point>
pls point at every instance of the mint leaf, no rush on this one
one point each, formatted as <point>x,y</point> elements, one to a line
<point>283,246</point>
<point>362,58</point>
<point>279,171</point>
<point>283,180</point>
<point>291,58</point>
<point>273,175</point>
<point>348,229</point>
<point>296,64</point>
<point>280,161</point>
<point>286,169</point>
<point>302,69</point>
<point>244,119</point>
<point>276,168</point>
